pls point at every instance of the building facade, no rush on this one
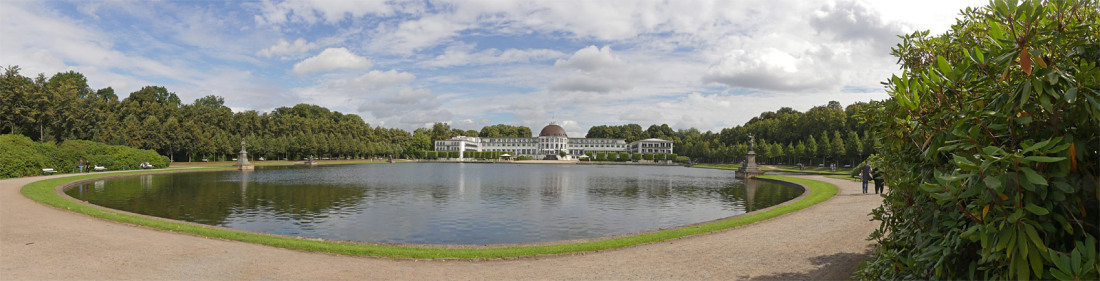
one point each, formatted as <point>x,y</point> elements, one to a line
<point>550,144</point>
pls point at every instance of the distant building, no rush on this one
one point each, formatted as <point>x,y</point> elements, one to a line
<point>551,141</point>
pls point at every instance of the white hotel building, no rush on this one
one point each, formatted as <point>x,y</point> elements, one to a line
<point>550,143</point>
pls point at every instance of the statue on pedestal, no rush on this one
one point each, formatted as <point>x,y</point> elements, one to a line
<point>242,160</point>
<point>749,168</point>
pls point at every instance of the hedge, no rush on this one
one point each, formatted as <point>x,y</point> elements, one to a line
<point>20,156</point>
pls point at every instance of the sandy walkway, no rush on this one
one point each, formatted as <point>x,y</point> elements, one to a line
<point>37,242</point>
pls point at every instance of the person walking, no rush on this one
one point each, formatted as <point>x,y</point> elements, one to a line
<point>877,174</point>
<point>80,165</point>
<point>865,173</point>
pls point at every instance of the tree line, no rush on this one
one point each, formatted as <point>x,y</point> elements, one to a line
<point>63,107</point>
<point>827,134</point>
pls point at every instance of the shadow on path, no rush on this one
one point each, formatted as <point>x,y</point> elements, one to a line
<point>839,266</point>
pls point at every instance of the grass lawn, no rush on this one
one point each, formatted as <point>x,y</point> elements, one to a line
<point>43,191</point>
<point>807,170</point>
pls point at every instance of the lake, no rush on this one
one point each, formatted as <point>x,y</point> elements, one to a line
<point>441,203</point>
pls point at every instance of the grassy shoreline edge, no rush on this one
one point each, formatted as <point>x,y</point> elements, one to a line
<point>43,191</point>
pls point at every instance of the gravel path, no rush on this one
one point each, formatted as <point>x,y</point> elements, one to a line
<point>825,241</point>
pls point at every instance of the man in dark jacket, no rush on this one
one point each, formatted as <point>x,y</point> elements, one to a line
<point>877,174</point>
<point>865,173</point>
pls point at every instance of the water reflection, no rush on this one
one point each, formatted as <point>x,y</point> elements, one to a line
<point>441,203</point>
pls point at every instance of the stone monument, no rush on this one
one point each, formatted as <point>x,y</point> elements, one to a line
<point>749,168</point>
<point>242,160</point>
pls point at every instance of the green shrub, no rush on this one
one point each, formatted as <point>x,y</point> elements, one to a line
<point>623,156</point>
<point>989,146</point>
<point>19,156</point>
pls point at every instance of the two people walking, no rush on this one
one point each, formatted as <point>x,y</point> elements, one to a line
<point>868,174</point>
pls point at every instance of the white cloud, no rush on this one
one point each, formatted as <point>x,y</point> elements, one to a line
<point>937,16</point>
<point>407,108</point>
<point>315,11</point>
<point>414,35</point>
<point>286,48</point>
<point>462,57</point>
<point>591,58</point>
<point>384,79</point>
<point>592,69</point>
<point>344,91</point>
<point>331,59</point>
<point>40,40</point>
<point>772,69</point>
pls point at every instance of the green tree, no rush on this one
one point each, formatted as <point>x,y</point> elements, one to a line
<point>811,149</point>
<point>839,148</point>
<point>989,144</point>
<point>824,148</point>
<point>15,92</point>
<point>418,146</point>
<point>854,147</point>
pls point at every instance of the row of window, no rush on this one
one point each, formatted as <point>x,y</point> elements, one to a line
<point>667,144</point>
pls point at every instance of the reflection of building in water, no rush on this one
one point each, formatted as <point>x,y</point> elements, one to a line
<point>550,143</point>
<point>472,181</point>
<point>552,184</point>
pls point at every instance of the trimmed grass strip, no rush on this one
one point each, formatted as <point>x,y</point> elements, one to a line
<point>43,191</point>
<point>807,170</point>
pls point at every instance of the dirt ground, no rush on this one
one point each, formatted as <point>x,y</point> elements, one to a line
<point>37,242</point>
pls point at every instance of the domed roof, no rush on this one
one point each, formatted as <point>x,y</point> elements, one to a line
<point>552,130</point>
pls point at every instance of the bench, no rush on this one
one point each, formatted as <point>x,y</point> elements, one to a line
<point>99,168</point>
<point>48,171</point>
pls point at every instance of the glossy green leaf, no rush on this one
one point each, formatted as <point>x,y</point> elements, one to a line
<point>1033,176</point>
<point>1035,209</point>
<point>992,182</point>
<point>1036,146</point>
<point>1044,159</point>
<point>1075,261</point>
<point>1035,239</point>
<point>1071,95</point>
<point>1036,264</point>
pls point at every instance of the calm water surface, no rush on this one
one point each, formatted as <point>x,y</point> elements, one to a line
<point>435,203</point>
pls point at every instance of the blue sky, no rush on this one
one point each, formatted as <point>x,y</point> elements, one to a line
<point>407,64</point>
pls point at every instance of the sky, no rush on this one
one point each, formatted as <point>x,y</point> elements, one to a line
<point>471,63</point>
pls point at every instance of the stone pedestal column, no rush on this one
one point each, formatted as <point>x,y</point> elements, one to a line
<point>750,169</point>
<point>242,160</point>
